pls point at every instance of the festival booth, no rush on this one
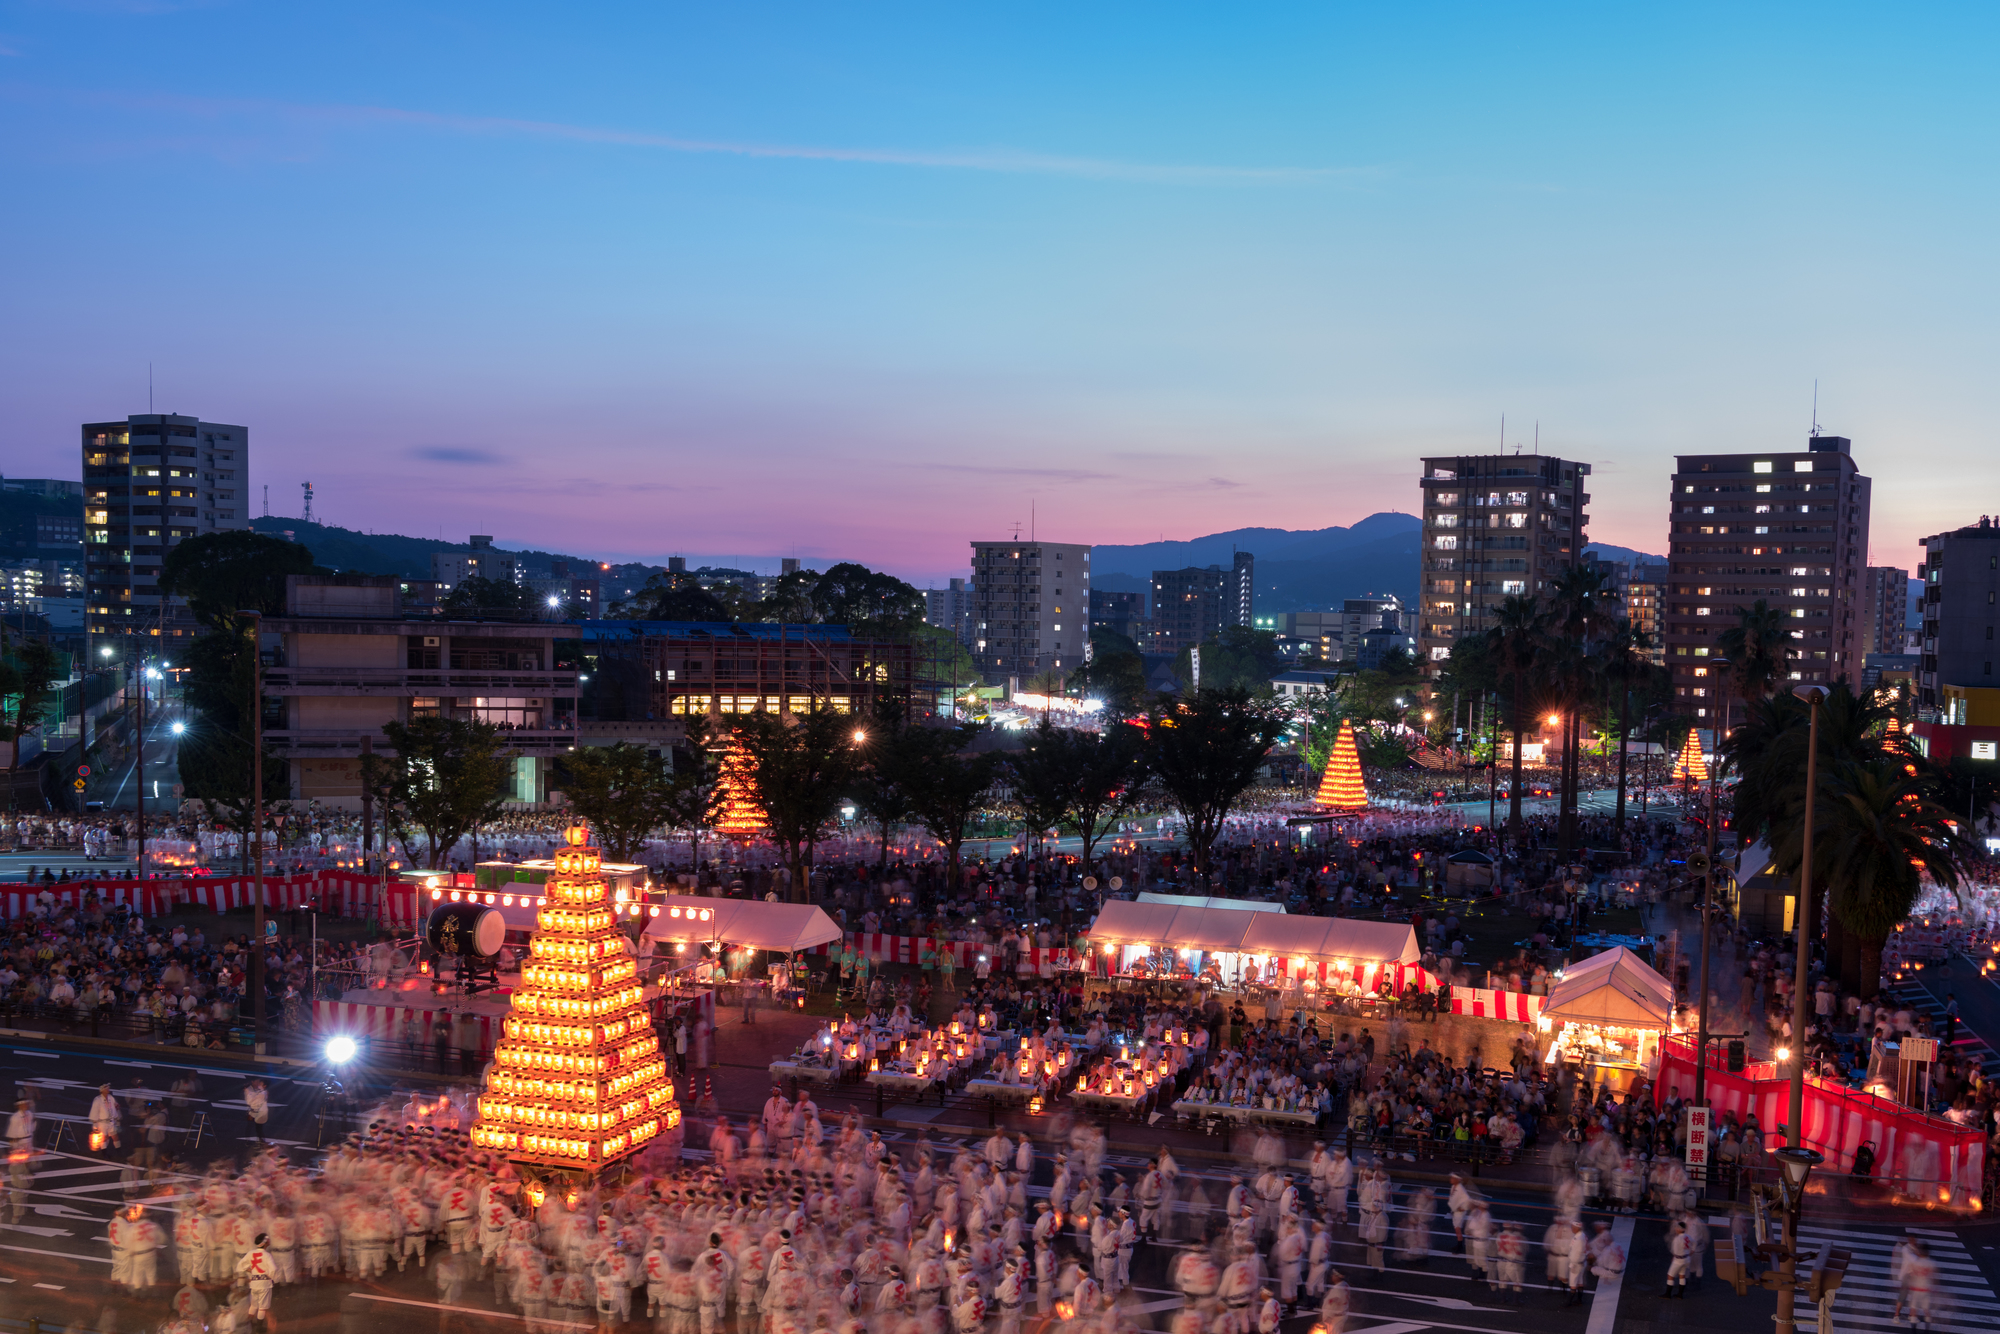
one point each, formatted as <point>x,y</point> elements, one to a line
<point>740,926</point>
<point>1924,1157</point>
<point>1609,1013</point>
<point>1209,901</point>
<point>1229,945</point>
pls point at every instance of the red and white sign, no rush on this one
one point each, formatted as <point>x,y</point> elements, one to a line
<point>1697,1146</point>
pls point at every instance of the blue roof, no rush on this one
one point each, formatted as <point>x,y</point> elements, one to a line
<point>715,630</point>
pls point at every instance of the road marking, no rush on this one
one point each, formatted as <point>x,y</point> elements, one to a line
<point>52,1287</point>
<point>132,1065</point>
<point>45,1055</point>
<point>1604,1302</point>
<point>60,1255</point>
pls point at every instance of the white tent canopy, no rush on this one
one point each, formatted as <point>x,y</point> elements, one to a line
<point>752,922</point>
<point>1226,929</point>
<point>1616,988</point>
<point>1202,901</point>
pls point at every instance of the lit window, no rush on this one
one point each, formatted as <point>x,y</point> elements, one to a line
<point>1704,592</point>
<point>1708,509</point>
<point>1763,509</point>
<point>1517,521</point>
<point>1513,586</point>
<point>1802,465</point>
<point>1798,611</point>
<point>1701,653</point>
<point>1762,528</point>
<point>1760,467</point>
<point>1763,488</point>
<point>1703,611</point>
<point>1701,671</point>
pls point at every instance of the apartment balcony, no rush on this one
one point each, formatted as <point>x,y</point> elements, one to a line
<point>433,682</point>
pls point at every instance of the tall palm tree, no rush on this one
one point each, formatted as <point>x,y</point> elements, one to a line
<point>1578,616</point>
<point>1517,643</point>
<point>1877,829</point>
<point>1623,654</point>
<point>1757,647</point>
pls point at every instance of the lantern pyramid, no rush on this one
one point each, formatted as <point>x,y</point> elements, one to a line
<point>741,815</point>
<point>578,1080</point>
<point>1690,763</point>
<point>1341,788</point>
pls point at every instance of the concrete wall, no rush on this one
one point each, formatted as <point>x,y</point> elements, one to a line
<point>345,650</point>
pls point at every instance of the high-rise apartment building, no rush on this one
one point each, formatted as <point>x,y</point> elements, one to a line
<point>1120,614</point>
<point>1961,574</point>
<point>1885,601</point>
<point>1789,528</point>
<point>1495,525</point>
<point>1193,605</point>
<point>484,561</point>
<point>1031,607</point>
<point>1645,591</point>
<point>151,482</point>
<point>950,609</point>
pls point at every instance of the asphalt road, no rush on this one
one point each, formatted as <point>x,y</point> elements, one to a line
<point>55,1265</point>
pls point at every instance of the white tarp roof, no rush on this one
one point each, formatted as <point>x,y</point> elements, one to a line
<point>1202,901</point>
<point>1121,923</point>
<point>1617,988</point>
<point>753,922</point>
<point>1752,861</point>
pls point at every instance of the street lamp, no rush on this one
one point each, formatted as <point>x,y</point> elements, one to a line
<point>1795,1164</point>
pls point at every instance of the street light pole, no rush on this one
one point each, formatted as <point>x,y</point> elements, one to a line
<point>256,625</point>
<point>1707,903</point>
<point>1802,889</point>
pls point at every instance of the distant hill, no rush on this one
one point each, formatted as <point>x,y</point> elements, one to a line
<point>1296,569</point>
<point>385,553</point>
<point>1609,552</point>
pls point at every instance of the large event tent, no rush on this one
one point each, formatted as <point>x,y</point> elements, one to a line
<point>1323,948</point>
<point>752,922</point>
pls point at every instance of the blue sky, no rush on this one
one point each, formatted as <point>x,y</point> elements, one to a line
<point>873,281</point>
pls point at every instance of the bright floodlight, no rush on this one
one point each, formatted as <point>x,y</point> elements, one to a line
<point>554,601</point>
<point>340,1050</point>
<point>105,651</point>
<point>179,728</point>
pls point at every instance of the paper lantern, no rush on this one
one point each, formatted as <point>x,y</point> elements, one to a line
<point>1341,787</point>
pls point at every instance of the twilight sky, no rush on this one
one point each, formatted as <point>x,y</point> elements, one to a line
<point>870,281</point>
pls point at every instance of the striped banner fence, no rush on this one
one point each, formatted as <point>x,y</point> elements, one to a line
<point>1481,1003</point>
<point>878,948</point>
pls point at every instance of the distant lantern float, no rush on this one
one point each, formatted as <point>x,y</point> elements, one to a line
<point>1341,787</point>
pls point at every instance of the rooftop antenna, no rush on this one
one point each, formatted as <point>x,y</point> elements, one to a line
<point>267,500</point>
<point>307,517</point>
<point>1017,530</point>
<point>1815,420</point>
<point>1538,435</point>
<point>1031,520</point>
<point>1503,433</point>
<point>149,388</point>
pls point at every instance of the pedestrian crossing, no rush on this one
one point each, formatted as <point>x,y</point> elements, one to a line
<point>1963,1301</point>
<point>1919,997</point>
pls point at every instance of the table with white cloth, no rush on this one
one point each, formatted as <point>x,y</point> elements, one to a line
<point>902,1081</point>
<point>810,1070</point>
<point>994,1088</point>
<point>1116,1102</point>
<point>1289,1116</point>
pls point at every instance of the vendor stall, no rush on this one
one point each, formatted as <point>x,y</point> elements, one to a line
<point>1608,1014</point>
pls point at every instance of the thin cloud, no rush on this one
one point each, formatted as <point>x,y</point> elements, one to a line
<point>1002,160</point>
<point>456,454</point>
<point>1224,483</point>
<point>1051,474</point>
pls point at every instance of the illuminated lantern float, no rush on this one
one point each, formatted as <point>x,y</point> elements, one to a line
<point>1341,788</point>
<point>1690,764</point>
<point>578,1080</point>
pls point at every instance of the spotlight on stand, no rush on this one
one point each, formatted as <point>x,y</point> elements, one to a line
<point>341,1049</point>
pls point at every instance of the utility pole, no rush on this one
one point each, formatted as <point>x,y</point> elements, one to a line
<point>255,620</point>
<point>139,767</point>
<point>1708,893</point>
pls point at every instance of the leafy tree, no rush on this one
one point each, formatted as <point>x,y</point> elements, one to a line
<point>693,797</point>
<point>445,776</point>
<point>854,595</point>
<point>1116,674</point>
<point>215,754</point>
<point>1624,661</point>
<point>1205,748</point>
<point>1040,778</point>
<point>1107,781</point>
<point>790,600</point>
<point>479,596</point>
<point>949,786</point>
<point>804,765</point>
<point>622,791</point>
<point>673,595</point>
<point>27,676</point>
<point>221,574</point>
<point>882,787</point>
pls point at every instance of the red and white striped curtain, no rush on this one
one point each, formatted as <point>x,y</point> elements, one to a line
<point>385,1023</point>
<point>879,948</point>
<point>356,895</point>
<point>1481,1003</point>
<point>1920,1155</point>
